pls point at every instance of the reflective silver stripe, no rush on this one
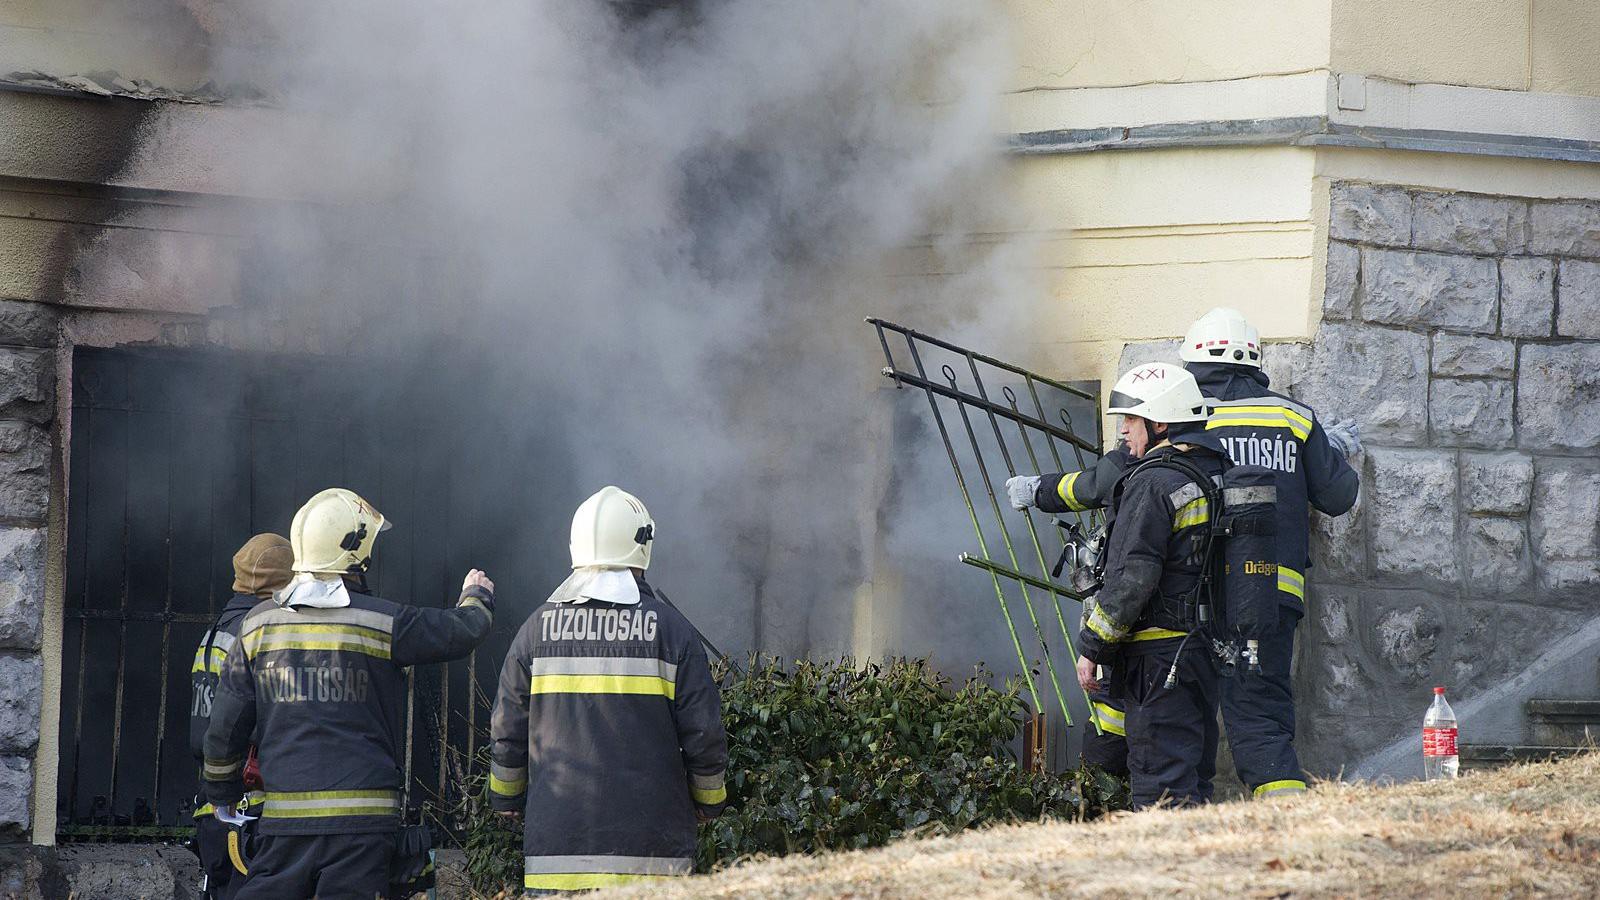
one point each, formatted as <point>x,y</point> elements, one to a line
<point>215,769</point>
<point>220,640</point>
<point>603,665</point>
<point>1186,494</point>
<point>507,773</point>
<point>367,799</point>
<point>266,642</point>
<point>606,865</point>
<point>1264,493</point>
<point>307,615</point>
<point>705,782</point>
<point>1303,411</point>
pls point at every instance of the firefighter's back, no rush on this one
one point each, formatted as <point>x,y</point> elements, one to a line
<point>605,768</point>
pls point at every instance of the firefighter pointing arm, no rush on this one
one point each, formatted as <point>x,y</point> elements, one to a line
<point>318,672</point>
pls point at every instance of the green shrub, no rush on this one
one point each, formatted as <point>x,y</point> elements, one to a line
<point>832,756</point>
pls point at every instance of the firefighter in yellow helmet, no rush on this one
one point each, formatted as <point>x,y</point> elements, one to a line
<point>317,674</point>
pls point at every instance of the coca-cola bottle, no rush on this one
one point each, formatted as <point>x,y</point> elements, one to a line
<point>1439,756</point>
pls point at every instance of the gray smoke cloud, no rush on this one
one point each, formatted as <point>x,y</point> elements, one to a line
<point>635,246</point>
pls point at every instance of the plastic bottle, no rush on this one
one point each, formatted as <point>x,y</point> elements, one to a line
<point>1439,754</point>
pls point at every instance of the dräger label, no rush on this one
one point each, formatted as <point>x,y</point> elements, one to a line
<point>1439,742</point>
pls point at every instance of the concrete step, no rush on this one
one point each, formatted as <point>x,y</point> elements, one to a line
<point>1565,723</point>
<point>1491,756</point>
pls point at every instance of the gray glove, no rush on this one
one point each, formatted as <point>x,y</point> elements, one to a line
<point>1345,436</point>
<point>1021,490</point>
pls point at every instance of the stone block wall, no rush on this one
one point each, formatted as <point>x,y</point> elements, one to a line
<point>1463,332</point>
<point>27,409</point>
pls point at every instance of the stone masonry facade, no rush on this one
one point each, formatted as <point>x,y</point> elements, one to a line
<point>1463,332</point>
<point>27,409</point>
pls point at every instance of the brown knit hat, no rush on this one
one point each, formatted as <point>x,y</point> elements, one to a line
<point>263,565</point>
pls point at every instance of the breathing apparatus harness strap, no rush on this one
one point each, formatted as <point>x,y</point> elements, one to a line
<point>1198,606</point>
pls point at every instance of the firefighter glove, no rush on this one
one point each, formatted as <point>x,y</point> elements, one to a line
<point>1021,489</point>
<point>1345,436</point>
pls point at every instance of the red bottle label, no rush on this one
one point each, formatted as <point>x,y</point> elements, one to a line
<point>1438,741</point>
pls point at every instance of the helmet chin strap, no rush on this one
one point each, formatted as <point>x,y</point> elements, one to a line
<point>1151,437</point>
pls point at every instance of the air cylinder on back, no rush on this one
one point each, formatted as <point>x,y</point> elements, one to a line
<point>1250,552</point>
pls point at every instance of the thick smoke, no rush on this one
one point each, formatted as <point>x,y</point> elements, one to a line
<point>634,245</point>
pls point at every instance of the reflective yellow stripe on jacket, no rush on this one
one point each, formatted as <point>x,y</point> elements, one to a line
<point>1292,582</point>
<point>708,790</point>
<point>1195,512</point>
<point>507,781</point>
<point>603,675</point>
<point>1065,492</point>
<point>1101,624</point>
<point>211,664</point>
<point>324,804</point>
<point>1260,416</point>
<point>343,636</point>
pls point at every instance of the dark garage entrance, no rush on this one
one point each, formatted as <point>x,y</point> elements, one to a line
<point>177,457</point>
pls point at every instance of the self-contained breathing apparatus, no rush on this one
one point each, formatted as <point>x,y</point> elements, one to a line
<point>1234,602</point>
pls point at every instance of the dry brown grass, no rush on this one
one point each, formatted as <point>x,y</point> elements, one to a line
<point>1530,830</point>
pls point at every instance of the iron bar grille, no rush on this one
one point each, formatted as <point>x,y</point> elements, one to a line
<point>996,420</point>
<point>177,458</point>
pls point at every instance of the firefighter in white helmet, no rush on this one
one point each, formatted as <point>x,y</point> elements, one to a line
<point>1260,427</point>
<point>607,704</point>
<point>318,675</point>
<point>1255,426</point>
<point>1135,625</point>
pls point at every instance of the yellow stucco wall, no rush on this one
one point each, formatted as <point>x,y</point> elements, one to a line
<point>1135,246</point>
<point>1566,46</point>
<point>1098,43</point>
<point>1539,45</point>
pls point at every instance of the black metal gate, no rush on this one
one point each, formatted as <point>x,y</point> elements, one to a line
<point>177,457</point>
<point>997,420</point>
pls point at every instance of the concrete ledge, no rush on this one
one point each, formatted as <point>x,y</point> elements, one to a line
<point>1303,131</point>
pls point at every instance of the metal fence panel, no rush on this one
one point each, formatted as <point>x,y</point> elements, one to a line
<point>996,420</point>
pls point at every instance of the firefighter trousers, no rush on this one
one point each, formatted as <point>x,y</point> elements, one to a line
<point>1258,712</point>
<point>1172,732</point>
<point>222,879</point>
<point>325,866</point>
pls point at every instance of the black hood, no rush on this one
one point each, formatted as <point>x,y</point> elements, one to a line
<point>1193,433</point>
<point>1216,378</point>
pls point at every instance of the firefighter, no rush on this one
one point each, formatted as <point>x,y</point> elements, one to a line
<point>1261,428</point>
<point>317,673</point>
<point>607,729</point>
<point>1256,427</point>
<point>260,568</point>
<point>1138,624</point>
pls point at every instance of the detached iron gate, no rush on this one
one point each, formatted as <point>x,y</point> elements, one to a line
<point>997,420</point>
<point>177,458</point>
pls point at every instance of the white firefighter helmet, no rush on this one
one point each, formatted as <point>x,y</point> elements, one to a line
<point>612,528</point>
<point>1222,336</point>
<point>333,533</point>
<point>1159,392</point>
